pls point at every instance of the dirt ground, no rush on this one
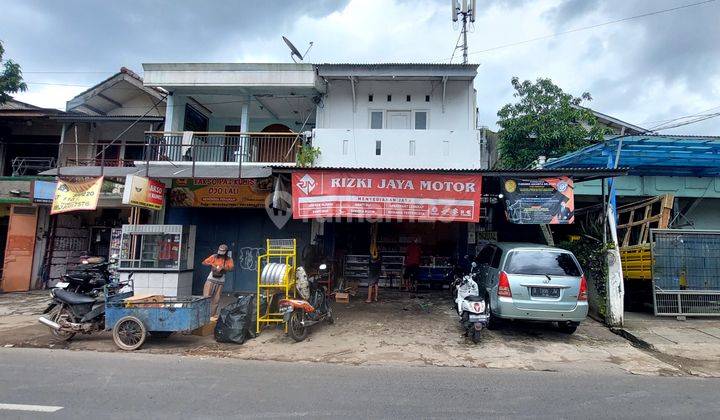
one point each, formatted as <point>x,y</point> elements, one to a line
<point>420,330</point>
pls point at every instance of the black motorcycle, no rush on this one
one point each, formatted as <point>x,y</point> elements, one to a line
<point>88,279</point>
<point>314,307</point>
<point>70,313</point>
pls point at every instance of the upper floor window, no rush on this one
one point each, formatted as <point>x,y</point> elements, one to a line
<point>376,120</point>
<point>195,120</point>
<point>421,120</point>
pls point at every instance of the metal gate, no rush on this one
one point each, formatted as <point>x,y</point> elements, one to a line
<point>686,272</point>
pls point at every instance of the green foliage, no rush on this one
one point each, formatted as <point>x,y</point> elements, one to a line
<point>307,155</point>
<point>592,256</point>
<point>10,78</point>
<point>544,122</point>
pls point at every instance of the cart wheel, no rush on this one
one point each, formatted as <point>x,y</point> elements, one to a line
<point>160,334</point>
<point>129,333</point>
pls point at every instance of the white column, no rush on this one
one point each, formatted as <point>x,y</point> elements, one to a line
<point>244,141</point>
<point>169,112</point>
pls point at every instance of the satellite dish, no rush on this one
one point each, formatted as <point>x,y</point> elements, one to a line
<point>294,52</point>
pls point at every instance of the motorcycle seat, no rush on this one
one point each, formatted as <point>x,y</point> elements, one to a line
<point>71,298</point>
<point>473,298</point>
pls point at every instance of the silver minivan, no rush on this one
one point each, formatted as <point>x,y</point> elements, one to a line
<point>532,282</point>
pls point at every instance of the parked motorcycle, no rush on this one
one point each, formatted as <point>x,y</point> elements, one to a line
<point>71,313</point>
<point>470,305</point>
<point>88,280</point>
<point>314,307</point>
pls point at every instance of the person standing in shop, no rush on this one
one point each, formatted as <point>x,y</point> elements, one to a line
<point>373,277</point>
<point>220,263</point>
<point>412,265</point>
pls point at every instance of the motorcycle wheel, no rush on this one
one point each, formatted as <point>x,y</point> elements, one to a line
<point>59,313</point>
<point>129,333</point>
<point>296,329</point>
<point>475,336</point>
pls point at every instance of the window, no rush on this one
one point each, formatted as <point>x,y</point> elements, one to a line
<point>485,255</point>
<point>408,98</point>
<point>542,262</point>
<point>389,99</point>
<point>378,147</point>
<point>421,120</point>
<point>495,263</point>
<point>427,98</point>
<point>376,120</point>
<point>370,97</point>
<point>195,120</point>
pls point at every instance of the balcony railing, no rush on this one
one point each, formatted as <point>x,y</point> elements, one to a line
<point>31,165</point>
<point>222,147</point>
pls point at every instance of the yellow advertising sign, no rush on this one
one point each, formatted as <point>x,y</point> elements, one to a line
<point>144,192</point>
<point>233,193</point>
<point>73,196</point>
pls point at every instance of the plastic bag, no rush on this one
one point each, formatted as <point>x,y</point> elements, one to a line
<point>236,322</point>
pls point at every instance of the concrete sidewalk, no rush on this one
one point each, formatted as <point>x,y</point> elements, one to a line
<point>692,345</point>
<point>401,329</point>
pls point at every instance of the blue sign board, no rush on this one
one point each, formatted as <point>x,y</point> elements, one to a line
<point>43,192</point>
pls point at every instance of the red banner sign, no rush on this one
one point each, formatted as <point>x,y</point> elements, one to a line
<point>386,195</point>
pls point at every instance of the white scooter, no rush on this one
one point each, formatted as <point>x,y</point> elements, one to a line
<point>470,305</point>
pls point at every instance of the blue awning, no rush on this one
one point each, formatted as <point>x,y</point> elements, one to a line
<point>650,155</point>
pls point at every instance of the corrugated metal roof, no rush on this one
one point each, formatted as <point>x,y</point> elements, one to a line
<point>651,155</point>
<point>78,117</point>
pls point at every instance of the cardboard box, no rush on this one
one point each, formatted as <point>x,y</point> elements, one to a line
<point>206,329</point>
<point>341,297</point>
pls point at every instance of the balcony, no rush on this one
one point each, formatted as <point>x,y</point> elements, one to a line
<point>399,149</point>
<point>166,154</point>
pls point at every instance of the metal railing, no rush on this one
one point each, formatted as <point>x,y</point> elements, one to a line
<point>221,147</point>
<point>31,165</point>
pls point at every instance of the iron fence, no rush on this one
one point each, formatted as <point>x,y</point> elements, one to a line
<point>686,272</point>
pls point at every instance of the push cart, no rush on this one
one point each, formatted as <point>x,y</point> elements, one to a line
<point>132,322</point>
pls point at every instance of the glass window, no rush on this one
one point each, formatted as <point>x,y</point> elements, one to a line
<point>152,251</point>
<point>542,262</point>
<point>378,147</point>
<point>376,120</point>
<point>495,263</point>
<point>421,120</point>
<point>485,255</point>
<point>195,120</point>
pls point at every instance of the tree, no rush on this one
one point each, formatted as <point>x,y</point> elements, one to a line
<point>10,78</point>
<point>545,121</point>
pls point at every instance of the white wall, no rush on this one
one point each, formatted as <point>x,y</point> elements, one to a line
<point>417,149</point>
<point>337,111</point>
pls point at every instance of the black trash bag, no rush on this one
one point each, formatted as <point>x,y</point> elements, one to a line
<point>236,322</point>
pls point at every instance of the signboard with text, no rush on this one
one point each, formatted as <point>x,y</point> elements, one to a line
<point>43,192</point>
<point>76,195</point>
<point>386,195</point>
<point>539,201</point>
<point>230,192</point>
<point>144,192</point>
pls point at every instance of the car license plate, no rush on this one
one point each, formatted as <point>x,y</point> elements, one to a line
<point>547,292</point>
<point>62,284</point>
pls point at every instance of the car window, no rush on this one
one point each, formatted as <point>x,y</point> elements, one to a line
<point>541,262</point>
<point>495,263</point>
<point>485,255</point>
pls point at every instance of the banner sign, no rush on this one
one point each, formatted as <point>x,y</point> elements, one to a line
<point>144,192</point>
<point>386,195</point>
<point>539,201</point>
<point>237,193</point>
<point>43,192</point>
<point>73,196</point>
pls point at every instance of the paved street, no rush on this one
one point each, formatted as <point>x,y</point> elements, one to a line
<point>118,385</point>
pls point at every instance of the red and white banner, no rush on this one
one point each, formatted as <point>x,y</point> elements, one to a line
<point>386,195</point>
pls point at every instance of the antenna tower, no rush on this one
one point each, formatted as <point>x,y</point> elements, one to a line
<point>465,10</point>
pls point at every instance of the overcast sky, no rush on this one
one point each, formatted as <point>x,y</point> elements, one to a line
<point>643,71</point>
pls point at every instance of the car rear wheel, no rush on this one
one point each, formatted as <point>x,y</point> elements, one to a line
<point>568,327</point>
<point>493,323</point>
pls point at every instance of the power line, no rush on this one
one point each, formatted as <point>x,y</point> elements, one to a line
<point>584,28</point>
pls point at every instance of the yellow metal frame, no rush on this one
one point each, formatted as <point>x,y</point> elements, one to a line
<point>637,262</point>
<point>282,251</point>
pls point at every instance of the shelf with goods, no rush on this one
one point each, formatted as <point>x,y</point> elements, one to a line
<point>391,270</point>
<point>357,268</point>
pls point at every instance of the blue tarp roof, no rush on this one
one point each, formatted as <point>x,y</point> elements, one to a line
<point>650,155</point>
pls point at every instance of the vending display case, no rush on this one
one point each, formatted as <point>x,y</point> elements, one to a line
<point>161,256</point>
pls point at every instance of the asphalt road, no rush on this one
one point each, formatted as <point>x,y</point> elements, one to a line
<point>72,384</point>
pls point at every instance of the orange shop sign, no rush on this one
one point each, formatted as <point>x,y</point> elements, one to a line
<point>144,192</point>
